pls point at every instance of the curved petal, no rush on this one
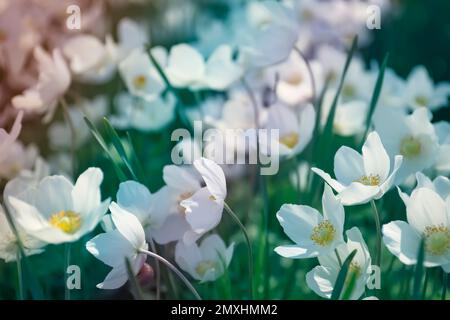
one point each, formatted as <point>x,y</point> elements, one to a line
<point>348,165</point>
<point>54,195</point>
<point>111,248</point>
<point>135,198</point>
<point>185,66</point>
<point>333,209</point>
<point>375,157</point>
<point>214,177</point>
<point>173,229</point>
<point>330,181</point>
<point>357,193</point>
<point>402,241</point>
<point>180,178</point>
<point>86,192</point>
<point>386,185</point>
<point>321,280</point>
<point>295,252</point>
<point>425,209</point>
<point>128,225</point>
<point>115,279</point>
<point>298,222</point>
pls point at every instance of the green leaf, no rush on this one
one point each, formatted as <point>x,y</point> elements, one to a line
<point>134,285</point>
<point>342,276</point>
<point>119,172</point>
<point>418,272</point>
<point>117,143</point>
<point>375,96</point>
<point>328,129</point>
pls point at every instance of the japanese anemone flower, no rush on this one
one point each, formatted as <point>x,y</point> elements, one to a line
<point>314,234</point>
<point>428,218</point>
<point>361,178</point>
<point>56,211</point>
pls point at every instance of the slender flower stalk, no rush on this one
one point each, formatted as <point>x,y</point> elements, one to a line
<point>67,250</point>
<point>174,269</point>
<point>158,271</point>
<point>376,216</point>
<point>311,75</point>
<point>73,134</point>
<point>20,276</point>
<point>249,247</point>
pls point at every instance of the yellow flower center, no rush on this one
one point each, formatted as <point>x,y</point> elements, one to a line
<point>370,180</point>
<point>295,79</point>
<point>410,147</point>
<point>421,101</point>
<point>139,81</point>
<point>290,140</point>
<point>67,221</point>
<point>182,197</point>
<point>323,234</point>
<point>204,266</point>
<point>349,90</point>
<point>437,240</point>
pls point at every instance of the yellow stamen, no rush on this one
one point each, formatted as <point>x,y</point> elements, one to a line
<point>295,79</point>
<point>67,221</point>
<point>422,101</point>
<point>349,91</point>
<point>290,140</point>
<point>182,197</point>
<point>204,266</point>
<point>437,240</point>
<point>140,81</point>
<point>323,234</point>
<point>410,147</point>
<point>370,180</point>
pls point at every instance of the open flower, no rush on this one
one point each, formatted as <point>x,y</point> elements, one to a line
<point>115,246</point>
<point>205,262</point>
<point>56,211</point>
<point>144,114</point>
<point>148,208</point>
<point>322,278</point>
<point>186,67</point>
<point>314,234</point>
<point>361,178</point>
<point>428,219</point>
<point>421,91</point>
<point>440,185</point>
<point>194,209</point>
<point>54,80</point>
<point>412,136</point>
<point>9,248</point>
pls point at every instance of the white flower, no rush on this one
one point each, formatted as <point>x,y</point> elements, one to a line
<point>295,127</point>
<point>322,278</point>
<point>9,249</point>
<point>205,262</point>
<point>7,139</point>
<point>440,185</point>
<point>361,178</point>
<point>314,234</point>
<point>412,136</point>
<point>428,218</point>
<point>267,34</point>
<point>186,67</point>
<point>114,247</point>
<point>194,209</point>
<point>442,164</point>
<point>140,75</point>
<point>56,211</point>
<point>421,92</point>
<point>148,208</point>
<point>91,61</point>
<point>53,82</point>
<point>143,114</point>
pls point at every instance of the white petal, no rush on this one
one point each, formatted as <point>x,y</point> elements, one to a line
<point>180,178</point>
<point>135,198</point>
<point>128,225</point>
<point>321,280</point>
<point>357,193</point>
<point>298,221</point>
<point>386,185</point>
<point>188,257</point>
<point>173,229</point>
<point>348,165</point>
<point>111,248</point>
<point>86,192</point>
<point>402,241</point>
<point>296,252</point>
<point>330,181</point>
<point>214,177</point>
<point>333,209</point>
<point>375,157</point>
<point>185,66</point>
<point>115,279</point>
<point>425,209</point>
<point>53,195</point>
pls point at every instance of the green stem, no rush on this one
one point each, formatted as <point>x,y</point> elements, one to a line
<point>444,285</point>
<point>376,216</point>
<point>67,264</point>
<point>175,270</point>
<point>20,276</point>
<point>425,284</point>
<point>249,247</point>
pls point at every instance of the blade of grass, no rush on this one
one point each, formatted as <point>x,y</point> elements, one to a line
<point>119,172</point>
<point>418,272</point>
<point>444,285</point>
<point>342,276</point>
<point>375,96</point>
